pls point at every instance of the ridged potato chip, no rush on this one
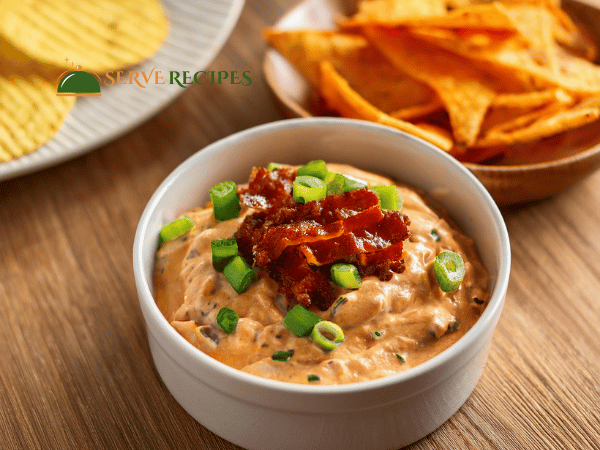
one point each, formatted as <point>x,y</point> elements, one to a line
<point>30,112</point>
<point>98,35</point>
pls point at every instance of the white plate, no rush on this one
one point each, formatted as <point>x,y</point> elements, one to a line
<point>198,31</point>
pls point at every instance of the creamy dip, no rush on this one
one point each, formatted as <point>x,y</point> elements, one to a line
<point>389,326</point>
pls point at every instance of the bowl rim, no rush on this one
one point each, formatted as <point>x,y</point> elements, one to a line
<point>154,318</point>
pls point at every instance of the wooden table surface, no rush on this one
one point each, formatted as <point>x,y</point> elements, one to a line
<point>75,368</point>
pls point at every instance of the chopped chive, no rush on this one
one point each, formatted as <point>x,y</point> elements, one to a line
<point>300,320</point>
<point>227,319</point>
<point>308,188</point>
<point>389,197</point>
<point>273,166</point>
<point>346,275</point>
<point>175,229</point>
<point>454,326</point>
<point>239,274</point>
<point>282,356</point>
<point>436,235</point>
<point>315,168</point>
<point>335,185</point>
<point>313,377</point>
<point>352,185</point>
<point>223,251</point>
<point>339,302</point>
<point>449,270</point>
<point>376,334</point>
<point>400,358</point>
<point>225,200</point>
<point>327,334</point>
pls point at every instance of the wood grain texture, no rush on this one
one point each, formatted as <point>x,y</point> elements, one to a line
<point>75,368</point>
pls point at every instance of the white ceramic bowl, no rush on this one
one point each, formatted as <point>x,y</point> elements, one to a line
<point>385,413</point>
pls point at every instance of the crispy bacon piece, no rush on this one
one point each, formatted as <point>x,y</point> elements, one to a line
<point>390,229</point>
<point>297,243</point>
<point>382,263</point>
<point>262,236</point>
<point>268,189</point>
<point>299,281</point>
<point>278,238</point>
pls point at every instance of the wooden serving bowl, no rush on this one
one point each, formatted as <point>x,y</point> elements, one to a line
<point>528,172</point>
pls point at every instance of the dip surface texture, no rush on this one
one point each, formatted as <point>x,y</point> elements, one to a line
<point>389,326</point>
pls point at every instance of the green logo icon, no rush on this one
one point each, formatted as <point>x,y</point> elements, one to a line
<point>79,83</point>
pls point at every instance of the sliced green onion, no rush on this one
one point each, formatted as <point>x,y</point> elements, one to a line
<point>389,197</point>
<point>223,251</point>
<point>454,325</point>
<point>313,377</point>
<point>300,320</point>
<point>449,270</point>
<point>346,275</point>
<point>352,185</point>
<point>174,229</point>
<point>239,274</point>
<point>329,177</point>
<point>400,358</point>
<point>307,189</point>
<point>335,183</point>
<point>282,356</point>
<point>436,235</point>
<point>225,200</point>
<point>376,334</point>
<point>315,168</point>
<point>327,334</point>
<point>227,319</point>
<point>273,166</point>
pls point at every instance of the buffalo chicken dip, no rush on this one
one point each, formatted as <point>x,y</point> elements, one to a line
<point>322,274</point>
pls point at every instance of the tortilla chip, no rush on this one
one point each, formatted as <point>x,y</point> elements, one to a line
<point>394,11</point>
<point>362,65</point>
<point>465,91</point>
<point>509,111</point>
<point>532,99</point>
<point>477,16</point>
<point>576,41</point>
<point>342,98</point>
<point>544,127</point>
<point>535,25</point>
<point>421,110</point>
<point>510,57</point>
<point>31,112</point>
<point>305,49</point>
<point>524,120</point>
<point>98,36</point>
<point>590,102</point>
